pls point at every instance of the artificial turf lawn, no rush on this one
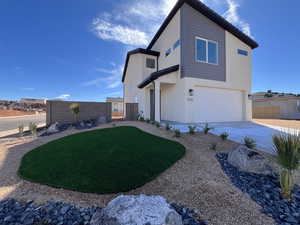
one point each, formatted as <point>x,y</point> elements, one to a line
<point>101,161</point>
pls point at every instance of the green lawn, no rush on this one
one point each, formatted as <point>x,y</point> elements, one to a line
<point>102,161</point>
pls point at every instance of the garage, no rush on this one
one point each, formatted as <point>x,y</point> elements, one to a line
<point>217,105</point>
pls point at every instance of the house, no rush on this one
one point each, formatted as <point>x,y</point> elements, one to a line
<point>117,106</point>
<point>33,101</point>
<point>197,68</point>
<point>273,105</point>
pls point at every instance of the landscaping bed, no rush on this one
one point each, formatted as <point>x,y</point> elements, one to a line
<point>102,161</point>
<point>265,191</point>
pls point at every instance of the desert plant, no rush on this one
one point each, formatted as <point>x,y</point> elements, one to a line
<point>192,129</point>
<point>147,120</point>
<point>21,129</point>
<point>152,122</point>
<point>168,127</point>
<point>249,142</point>
<point>75,109</point>
<point>157,124</point>
<point>224,136</point>
<point>287,147</point>
<point>206,128</point>
<point>33,128</point>
<point>213,146</point>
<point>177,133</point>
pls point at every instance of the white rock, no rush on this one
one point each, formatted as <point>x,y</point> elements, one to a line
<point>249,161</point>
<point>53,128</point>
<point>137,210</point>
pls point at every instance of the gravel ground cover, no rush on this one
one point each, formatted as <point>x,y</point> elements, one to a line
<point>265,191</point>
<point>196,180</point>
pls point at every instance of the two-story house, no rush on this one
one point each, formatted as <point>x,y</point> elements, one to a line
<point>197,68</point>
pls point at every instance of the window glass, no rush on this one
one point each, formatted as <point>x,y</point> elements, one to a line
<point>177,43</point>
<point>212,52</point>
<point>201,50</point>
<point>168,52</point>
<point>150,63</point>
<point>242,52</point>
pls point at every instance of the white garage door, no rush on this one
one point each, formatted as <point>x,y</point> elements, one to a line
<point>218,105</point>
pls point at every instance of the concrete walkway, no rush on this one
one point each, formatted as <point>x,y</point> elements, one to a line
<point>237,131</point>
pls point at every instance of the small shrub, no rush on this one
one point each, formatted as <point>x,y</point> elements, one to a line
<point>249,142</point>
<point>177,133</point>
<point>21,130</point>
<point>152,122</point>
<point>142,119</point>
<point>114,125</point>
<point>75,109</point>
<point>168,127</point>
<point>206,128</point>
<point>33,128</point>
<point>157,124</point>
<point>213,146</point>
<point>192,129</point>
<point>147,121</point>
<point>224,136</point>
<point>287,147</point>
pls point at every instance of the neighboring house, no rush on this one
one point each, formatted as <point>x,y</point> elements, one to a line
<point>270,105</point>
<point>33,101</point>
<point>197,68</point>
<point>117,106</point>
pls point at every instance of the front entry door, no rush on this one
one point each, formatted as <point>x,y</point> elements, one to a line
<point>152,105</point>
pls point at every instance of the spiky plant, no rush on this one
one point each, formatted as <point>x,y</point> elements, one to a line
<point>287,147</point>
<point>192,129</point>
<point>250,142</point>
<point>177,133</point>
<point>157,124</point>
<point>33,128</point>
<point>168,127</point>
<point>21,129</point>
<point>75,109</point>
<point>206,128</point>
<point>224,136</point>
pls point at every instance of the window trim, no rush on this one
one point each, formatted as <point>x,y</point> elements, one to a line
<point>206,44</point>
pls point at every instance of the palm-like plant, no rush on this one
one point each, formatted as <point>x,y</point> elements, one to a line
<point>74,107</point>
<point>287,147</point>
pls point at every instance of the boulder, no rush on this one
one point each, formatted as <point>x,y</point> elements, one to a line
<point>250,161</point>
<point>137,210</point>
<point>101,120</point>
<point>53,128</point>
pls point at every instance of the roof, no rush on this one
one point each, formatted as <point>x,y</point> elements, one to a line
<point>136,51</point>
<point>158,74</point>
<point>209,13</point>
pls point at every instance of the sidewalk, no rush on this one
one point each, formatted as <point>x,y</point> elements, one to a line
<point>16,131</point>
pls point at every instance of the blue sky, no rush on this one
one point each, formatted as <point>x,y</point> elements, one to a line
<point>75,50</point>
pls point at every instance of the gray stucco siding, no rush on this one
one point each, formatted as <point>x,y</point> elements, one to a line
<point>194,24</point>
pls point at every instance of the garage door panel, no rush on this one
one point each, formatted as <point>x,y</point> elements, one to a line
<point>218,105</point>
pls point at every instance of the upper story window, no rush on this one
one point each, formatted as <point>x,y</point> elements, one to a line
<point>177,43</point>
<point>206,51</point>
<point>242,52</point>
<point>168,52</point>
<point>150,63</point>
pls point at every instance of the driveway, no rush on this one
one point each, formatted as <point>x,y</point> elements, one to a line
<point>237,131</point>
<point>10,123</point>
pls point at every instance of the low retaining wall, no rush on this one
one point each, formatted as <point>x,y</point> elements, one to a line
<point>59,111</point>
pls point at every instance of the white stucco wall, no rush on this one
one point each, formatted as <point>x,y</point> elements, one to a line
<point>166,40</point>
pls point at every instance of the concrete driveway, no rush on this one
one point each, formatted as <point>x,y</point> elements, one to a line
<point>237,131</point>
<point>11,123</point>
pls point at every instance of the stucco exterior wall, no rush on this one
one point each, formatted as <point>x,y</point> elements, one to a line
<point>166,40</point>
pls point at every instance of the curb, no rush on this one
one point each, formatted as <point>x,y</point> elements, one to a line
<point>16,131</point>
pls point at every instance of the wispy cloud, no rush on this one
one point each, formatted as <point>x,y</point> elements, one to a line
<point>233,17</point>
<point>109,78</point>
<point>64,96</point>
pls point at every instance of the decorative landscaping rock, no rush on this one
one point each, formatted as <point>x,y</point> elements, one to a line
<point>101,120</point>
<point>52,213</point>
<point>137,210</point>
<point>53,128</point>
<point>265,191</point>
<point>249,161</point>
